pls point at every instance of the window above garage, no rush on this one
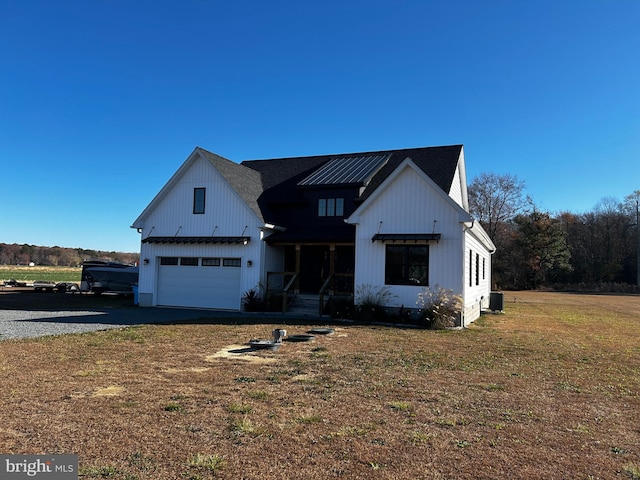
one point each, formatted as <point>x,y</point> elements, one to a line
<point>199,195</point>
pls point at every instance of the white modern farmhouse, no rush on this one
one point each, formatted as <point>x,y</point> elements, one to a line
<point>314,225</point>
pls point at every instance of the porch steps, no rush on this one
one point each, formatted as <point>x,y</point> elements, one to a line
<point>305,305</point>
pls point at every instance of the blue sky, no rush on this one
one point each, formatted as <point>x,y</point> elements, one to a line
<point>102,100</point>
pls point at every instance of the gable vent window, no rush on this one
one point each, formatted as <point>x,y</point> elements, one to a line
<point>331,207</point>
<point>199,195</point>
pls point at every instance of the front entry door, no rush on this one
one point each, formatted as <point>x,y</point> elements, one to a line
<point>314,267</point>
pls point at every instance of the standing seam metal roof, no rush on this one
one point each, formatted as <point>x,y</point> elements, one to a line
<point>346,170</point>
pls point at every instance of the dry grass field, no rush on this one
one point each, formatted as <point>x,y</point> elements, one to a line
<point>548,390</point>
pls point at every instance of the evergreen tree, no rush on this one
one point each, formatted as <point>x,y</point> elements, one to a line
<point>541,240</point>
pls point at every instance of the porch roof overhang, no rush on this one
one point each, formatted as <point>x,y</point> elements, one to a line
<point>406,237</point>
<point>344,234</point>
<point>201,240</point>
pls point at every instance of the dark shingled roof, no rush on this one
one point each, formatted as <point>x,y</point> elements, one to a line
<point>439,163</point>
<point>264,183</point>
<point>245,181</point>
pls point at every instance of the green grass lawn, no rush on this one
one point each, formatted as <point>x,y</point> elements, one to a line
<point>30,274</point>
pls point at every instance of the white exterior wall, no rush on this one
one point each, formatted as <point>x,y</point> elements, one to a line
<point>224,208</point>
<point>273,261</point>
<point>410,205</point>
<point>225,215</point>
<point>476,296</point>
<point>456,190</point>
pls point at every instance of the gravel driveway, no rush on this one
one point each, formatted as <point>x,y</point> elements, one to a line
<point>25,313</point>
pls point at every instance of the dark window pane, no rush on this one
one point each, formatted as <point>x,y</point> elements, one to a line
<point>394,265</point>
<point>231,262</point>
<point>331,207</point>
<point>169,261</point>
<point>322,207</point>
<point>198,200</point>
<point>407,265</point>
<point>210,262</point>
<point>418,265</point>
<point>189,261</point>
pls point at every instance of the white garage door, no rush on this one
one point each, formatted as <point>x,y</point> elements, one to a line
<point>199,282</point>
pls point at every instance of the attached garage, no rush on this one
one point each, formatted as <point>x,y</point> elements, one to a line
<point>200,282</point>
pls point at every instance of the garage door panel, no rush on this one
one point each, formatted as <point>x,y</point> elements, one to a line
<point>198,286</point>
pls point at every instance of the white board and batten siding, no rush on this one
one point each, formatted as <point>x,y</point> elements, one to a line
<point>225,211</point>
<point>445,263</point>
<point>226,215</point>
<point>456,191</point>
<point>477,278</point>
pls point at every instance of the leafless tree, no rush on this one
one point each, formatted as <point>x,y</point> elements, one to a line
<point>631,207</point>
<point>496,199</point>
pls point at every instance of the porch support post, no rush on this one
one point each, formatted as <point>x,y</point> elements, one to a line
<point>332,266</point>
<point>332,258</point>
<point>297,286</point>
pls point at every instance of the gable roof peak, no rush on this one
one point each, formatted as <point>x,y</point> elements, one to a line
<point>246,182</point>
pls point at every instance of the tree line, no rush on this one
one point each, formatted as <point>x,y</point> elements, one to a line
<point>597,250</point>
<point>15,254</point>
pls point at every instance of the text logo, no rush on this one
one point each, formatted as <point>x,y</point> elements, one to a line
<point>44,467</point>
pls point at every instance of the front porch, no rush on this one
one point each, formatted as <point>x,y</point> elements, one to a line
<point>317,271</point>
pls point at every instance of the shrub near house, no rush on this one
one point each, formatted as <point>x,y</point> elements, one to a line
<point>439,308</point>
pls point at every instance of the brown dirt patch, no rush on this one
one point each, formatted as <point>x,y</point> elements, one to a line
<point>549,389</point>
<point>241,353</point>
